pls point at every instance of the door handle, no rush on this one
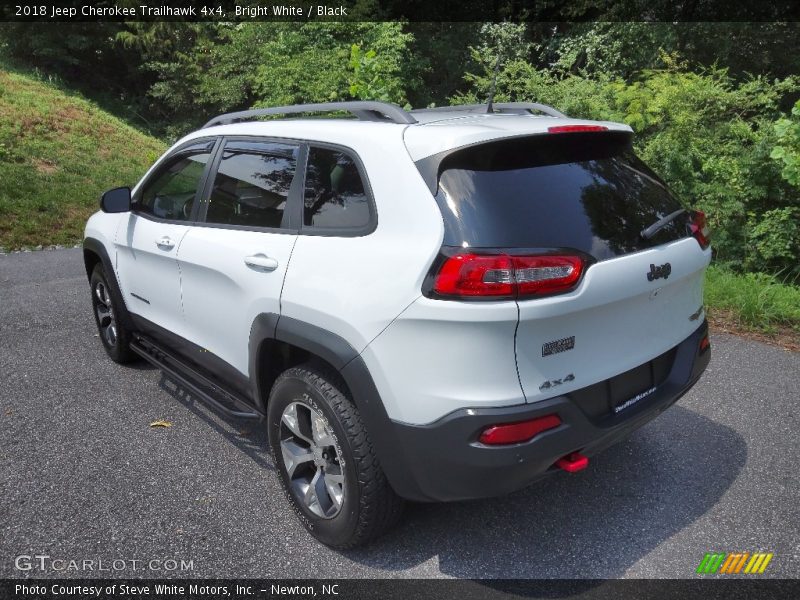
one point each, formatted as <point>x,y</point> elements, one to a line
<point>165,243</point>
<point>261,262</point>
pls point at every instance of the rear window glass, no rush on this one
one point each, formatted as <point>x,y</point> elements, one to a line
<point>586,191</point>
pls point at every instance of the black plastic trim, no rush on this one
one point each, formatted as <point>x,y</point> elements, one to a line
<point>520,108</point>
<point>96,247</point>
<point>287,224</point>
<point>212,146</point>
<point>201,386</point>
<point>364,110</point>
<point>328,346</point>
<point>316,341</point>
<point>293,214</point>
<point>387,439</point>
<point>263,328</point>
<point>443,461</point>
<point>199,359</point>
<point>344,358</point>
<point>320,342</point>
<point>102,201</point>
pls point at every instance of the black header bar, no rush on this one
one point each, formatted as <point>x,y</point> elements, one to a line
<point>733,588</point>
<point>392,10</point>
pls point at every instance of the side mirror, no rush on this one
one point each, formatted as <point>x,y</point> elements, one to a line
<point>117,200</point>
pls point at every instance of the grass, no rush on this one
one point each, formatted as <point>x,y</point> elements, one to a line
<point>753,300</point>
<point>58,153</point>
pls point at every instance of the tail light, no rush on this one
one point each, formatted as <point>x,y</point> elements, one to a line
<point>516,433</point>
<point>575,128</point>
<point>699,229</point>
<point>503,276</point>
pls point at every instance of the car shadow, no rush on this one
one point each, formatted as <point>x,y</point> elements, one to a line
<point>247,435</point>
<point>141,365</point>
<point>593,524</point>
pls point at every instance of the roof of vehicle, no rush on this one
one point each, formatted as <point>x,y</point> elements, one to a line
<point>424,132</point>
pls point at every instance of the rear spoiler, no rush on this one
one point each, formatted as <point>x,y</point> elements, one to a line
<point>430,166</point>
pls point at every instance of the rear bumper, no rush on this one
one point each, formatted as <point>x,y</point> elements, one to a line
<point>443,461</point>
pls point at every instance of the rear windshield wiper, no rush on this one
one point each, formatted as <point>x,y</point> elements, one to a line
<point>650,231</point>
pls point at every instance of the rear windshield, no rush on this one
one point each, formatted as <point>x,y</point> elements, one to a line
<point>586,191</point>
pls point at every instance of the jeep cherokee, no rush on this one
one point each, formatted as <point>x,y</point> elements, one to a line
<point>431,305</point>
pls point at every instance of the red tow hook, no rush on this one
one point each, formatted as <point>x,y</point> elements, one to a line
<point>572,463</point>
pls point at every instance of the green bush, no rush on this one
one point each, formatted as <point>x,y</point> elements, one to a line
<point>775,240</point>
<point>787,149</point>
<point>713,139</point>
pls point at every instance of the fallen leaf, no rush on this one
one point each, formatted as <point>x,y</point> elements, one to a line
<point>160,424</point>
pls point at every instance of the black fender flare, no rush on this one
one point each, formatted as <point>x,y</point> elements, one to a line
<point>97,247</point>
<point>336,351</point>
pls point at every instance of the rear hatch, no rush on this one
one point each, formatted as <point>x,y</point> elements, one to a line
<point>586,195</point>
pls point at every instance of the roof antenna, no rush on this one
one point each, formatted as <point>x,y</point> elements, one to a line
<point>490,99</point>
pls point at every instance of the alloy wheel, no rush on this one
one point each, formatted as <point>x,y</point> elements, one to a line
<point>105,313</point>
<point>312,459</point>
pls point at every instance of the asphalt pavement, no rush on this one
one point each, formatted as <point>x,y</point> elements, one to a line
<point>84,477</point>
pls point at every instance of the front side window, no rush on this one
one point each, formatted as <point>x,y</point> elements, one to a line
<point>252,184</point>
<point>171,193</point>
<point>335,197</point>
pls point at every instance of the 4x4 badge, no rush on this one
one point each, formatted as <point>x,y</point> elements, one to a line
<point>657,272</point>
<point>554,382</point>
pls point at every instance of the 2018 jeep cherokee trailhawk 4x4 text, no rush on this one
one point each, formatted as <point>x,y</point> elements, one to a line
<point>433,305</point>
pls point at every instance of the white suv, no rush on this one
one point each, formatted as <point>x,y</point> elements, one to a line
<point>433,305</point>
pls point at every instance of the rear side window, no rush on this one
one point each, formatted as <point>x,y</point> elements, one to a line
<point>251,186</point>
<point>170,194</point>
<point>586,191</point>
<point>335,196</point>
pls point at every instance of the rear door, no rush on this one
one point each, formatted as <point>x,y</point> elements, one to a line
<point>584,194</point>
<point>233,265</point>
<point>147,244</point>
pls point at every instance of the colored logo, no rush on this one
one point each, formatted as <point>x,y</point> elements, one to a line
<point>734,563</point>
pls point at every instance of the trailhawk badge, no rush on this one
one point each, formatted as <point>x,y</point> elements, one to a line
<point>657,272</point>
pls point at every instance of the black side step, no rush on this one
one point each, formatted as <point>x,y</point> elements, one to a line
<point>197,383</point>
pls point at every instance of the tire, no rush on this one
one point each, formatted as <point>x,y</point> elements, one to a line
<point>352,502</point>
<point>111,318</point>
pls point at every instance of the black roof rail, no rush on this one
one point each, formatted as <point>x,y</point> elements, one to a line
<point>366,110</point>
<point>500,107</point>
